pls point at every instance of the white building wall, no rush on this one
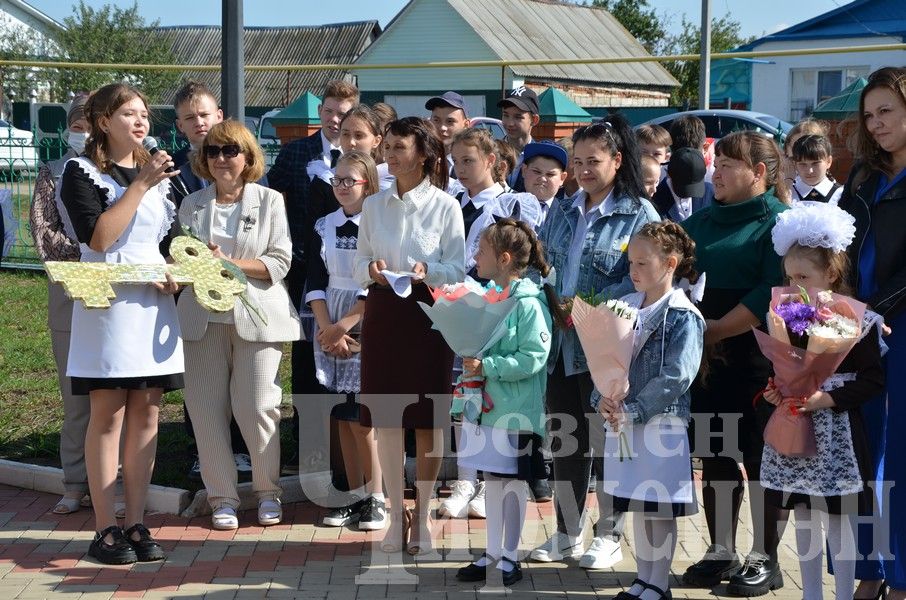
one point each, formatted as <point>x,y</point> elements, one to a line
<point>771,91</point>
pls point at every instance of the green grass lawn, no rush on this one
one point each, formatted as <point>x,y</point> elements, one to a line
<point>31,411</point>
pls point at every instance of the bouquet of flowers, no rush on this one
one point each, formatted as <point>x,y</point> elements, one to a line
<point>470,317</point>
<point>605,329</point>
<point>810,332</point>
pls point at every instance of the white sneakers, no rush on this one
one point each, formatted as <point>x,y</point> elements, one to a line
<point>558,547</point>
<point>603,553</point>
<point>224,518</point>
<point>476,504</point>
<point>456,506</point>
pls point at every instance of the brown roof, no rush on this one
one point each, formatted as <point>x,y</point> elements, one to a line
<point>339,43</point>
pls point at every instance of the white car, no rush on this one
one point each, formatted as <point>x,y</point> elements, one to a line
<point>267,137</point>
<point>17,149</point>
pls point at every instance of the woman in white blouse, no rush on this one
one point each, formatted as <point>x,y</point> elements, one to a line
<point>232,358</point>
<point>414,226</point>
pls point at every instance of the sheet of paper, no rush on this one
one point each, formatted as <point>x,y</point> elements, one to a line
<point>401,283</point>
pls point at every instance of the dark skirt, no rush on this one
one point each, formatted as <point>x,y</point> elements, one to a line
<point>664,510</point>
<point>849,504</point>
<point>346,411</point>
<point>81,386</point>
<point>407,367</point>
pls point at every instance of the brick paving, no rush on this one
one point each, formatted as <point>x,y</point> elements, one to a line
<point>42,555</point>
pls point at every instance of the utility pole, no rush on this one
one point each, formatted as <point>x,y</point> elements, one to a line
<point>704,77</point>
<point>232,74</point>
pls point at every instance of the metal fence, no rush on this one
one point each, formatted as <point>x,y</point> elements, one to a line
<point>20,159</point>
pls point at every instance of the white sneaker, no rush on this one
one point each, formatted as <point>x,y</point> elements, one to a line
<point>476,504</point>
<point>558,547</point>
<point>269,512</point>
<point>224,518</point>
<point>243,463</point>
<point>603,553</point>
<point>457,504</point>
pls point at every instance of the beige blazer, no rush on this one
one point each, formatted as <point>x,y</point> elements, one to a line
<point>263,234</point>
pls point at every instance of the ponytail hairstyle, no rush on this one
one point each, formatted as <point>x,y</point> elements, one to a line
<point>752,148</point>
<point>506,160</point>
<point>427,144</point>
<point>615,135</point>
<point>672,240</point>
<point>520,241</point>
<point>102,103</point>
<point>367,116</point>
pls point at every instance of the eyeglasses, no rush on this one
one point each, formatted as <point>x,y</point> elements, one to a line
<point>346,182</point>
<point>228,151</point>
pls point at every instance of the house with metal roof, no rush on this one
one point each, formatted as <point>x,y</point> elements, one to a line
<point>790,87</point>
<point>339,43</point>
<point>468,30</point>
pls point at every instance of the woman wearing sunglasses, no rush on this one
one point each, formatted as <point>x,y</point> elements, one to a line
<point>232,358</point>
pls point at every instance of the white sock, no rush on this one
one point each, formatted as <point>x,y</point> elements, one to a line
<point>494,521</point>
<point>463,473</point>
<point>379,496</point>
<point>514,501</point>
<point>810,548</point>
<point>662,537</point>
<point>842,543</point>
<point>643,566</point>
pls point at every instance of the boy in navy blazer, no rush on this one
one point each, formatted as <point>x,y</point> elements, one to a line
<point>196,112</point>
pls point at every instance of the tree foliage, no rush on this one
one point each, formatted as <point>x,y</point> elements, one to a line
<point>639,19</point>
<point>18,42</point>
<point>114,35</point>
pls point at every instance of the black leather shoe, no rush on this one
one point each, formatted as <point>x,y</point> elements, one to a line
<point>475,573</point>
<point>541,490</point>
<point>717,565</point>
<point>758,576</point>
<point>119,552</point>
<point>512,576</point>
<point>146,547</point>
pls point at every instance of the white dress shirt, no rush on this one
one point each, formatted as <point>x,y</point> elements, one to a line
<point>425,225</point>
<point>480,201</point>
<point>683,205</point>
<point>803,189</point>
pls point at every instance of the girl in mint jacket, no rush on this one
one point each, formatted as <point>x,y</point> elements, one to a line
<point>505,441</point>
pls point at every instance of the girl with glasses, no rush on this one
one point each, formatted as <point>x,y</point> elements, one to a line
<point>232,358</point>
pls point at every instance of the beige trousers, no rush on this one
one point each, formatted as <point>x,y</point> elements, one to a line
<point>226,377</point>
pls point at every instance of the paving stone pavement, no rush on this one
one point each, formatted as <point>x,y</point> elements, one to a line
<point>42,555</point>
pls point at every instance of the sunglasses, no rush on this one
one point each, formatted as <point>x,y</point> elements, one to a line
<point>228,151</point>
<point>346,182</point>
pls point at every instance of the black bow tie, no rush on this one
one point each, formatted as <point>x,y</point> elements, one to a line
<point>334,157</point>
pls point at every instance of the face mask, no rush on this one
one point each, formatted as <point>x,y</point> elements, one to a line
<point>77,141</point>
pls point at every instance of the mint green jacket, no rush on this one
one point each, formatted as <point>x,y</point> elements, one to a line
<point>515,368</point>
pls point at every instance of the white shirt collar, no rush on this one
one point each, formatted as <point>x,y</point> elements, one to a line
<point>416,196</point>
<point>804,189</point>
<point>483,197</point>
<point>683,205</point>
<point>604,208</point>
<point>327,146</point>
<point>338,218</point>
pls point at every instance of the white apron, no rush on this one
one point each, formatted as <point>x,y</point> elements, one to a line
<point>138,335</point>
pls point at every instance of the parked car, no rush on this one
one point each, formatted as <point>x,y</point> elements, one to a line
<point>17,150</point>
<point>720,122</point>
<point>267,137</point>
<point>495,126</point>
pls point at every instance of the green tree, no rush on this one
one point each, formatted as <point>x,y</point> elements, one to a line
<point>725,35</point>
<point>114,35</point>
<point>639,19</point>
<point>18,42</point>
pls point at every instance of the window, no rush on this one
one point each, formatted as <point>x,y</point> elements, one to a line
<point>810,87</point>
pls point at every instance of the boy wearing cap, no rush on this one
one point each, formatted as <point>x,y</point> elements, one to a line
<point>448,116</point>
<point>684,190</point>
<point>544,171</point>
<point>520,114</point>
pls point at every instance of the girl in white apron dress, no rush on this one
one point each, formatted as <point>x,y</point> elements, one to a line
<point>126,355</point>
<point>338,304</point>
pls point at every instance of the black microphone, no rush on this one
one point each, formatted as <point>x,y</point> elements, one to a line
<point>150,145</point>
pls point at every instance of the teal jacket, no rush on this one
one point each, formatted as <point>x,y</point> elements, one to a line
<point>515,368</point>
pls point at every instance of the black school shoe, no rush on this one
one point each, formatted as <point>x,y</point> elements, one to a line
<point>475,573</point>
<point>717,565</point>
<point>146,547</point>
<point>120,552</point>
<point>541,491</point>
<point>512,576</point>
<point>758,576</point>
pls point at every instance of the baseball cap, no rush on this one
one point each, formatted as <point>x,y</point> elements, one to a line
<point>446,99</point>
<point>522,98</point>
<point>687,173</point>
<point>547,149</point>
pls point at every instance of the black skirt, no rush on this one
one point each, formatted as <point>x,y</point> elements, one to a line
<point>849,504</point>
<point>664,510</point>
<point>81,386</point>
<point>530,462</point>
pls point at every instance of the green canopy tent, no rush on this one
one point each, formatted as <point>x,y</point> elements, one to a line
<point>843,104</point>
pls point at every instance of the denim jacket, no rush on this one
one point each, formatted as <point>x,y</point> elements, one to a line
<point>604,265</point>
<point>665,361</point>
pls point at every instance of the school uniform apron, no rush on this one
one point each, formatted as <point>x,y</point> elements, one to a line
<point>138,335</point>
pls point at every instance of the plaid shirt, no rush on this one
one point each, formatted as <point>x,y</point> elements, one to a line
<point>289,176</point>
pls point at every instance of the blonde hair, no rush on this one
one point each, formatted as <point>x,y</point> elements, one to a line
<point>808,126</point>
<point>231,131</point>
<point>341,90</point>
<point>364,162</point>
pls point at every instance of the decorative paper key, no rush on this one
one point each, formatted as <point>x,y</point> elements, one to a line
<point>217,282</point>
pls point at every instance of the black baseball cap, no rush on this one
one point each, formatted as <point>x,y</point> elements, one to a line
<point>447,99</point>
<point>522,98</point>
<point>686,170</point>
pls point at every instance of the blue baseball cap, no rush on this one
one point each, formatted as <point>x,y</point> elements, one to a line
<point>447,99</point>
<point>548,149</point>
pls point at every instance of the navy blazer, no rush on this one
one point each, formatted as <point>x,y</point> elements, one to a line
<point>666,206</point>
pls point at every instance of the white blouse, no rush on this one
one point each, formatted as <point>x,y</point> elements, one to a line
<point>425,225</point>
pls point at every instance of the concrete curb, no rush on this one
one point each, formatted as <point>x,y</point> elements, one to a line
<point>50,479</point>
<point>296,488</point>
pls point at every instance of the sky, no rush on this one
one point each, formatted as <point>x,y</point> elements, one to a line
<point>757,18</point>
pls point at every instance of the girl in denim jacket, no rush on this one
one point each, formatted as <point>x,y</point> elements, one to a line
<point>647,468</point>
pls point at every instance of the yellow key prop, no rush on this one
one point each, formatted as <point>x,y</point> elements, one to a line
<point>216,281</point>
